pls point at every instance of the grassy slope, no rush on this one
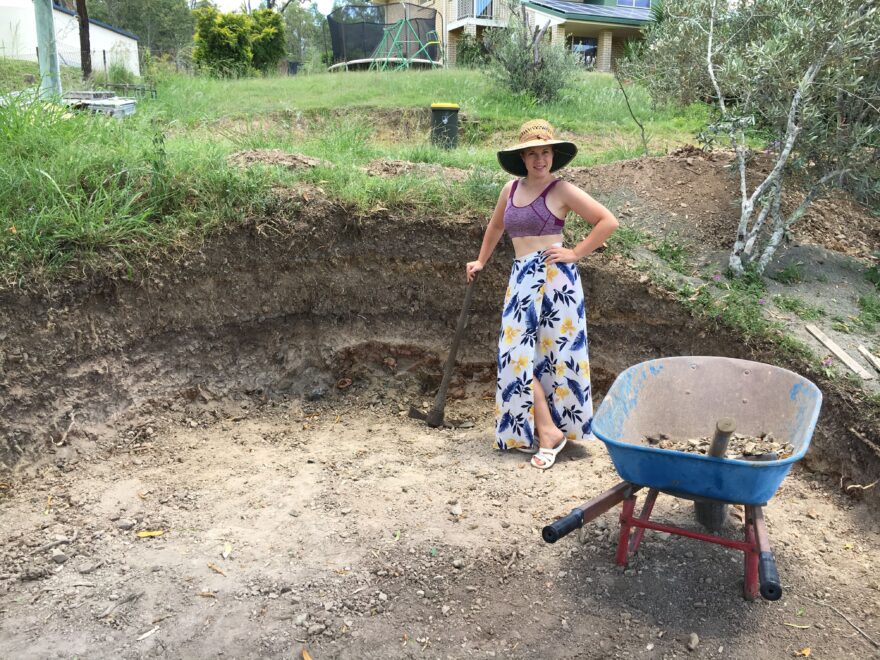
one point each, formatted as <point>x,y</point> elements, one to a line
<point>81,192</point>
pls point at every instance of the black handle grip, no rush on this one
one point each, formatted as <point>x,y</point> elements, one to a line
<point>556,530</point>
<point>768,577</point>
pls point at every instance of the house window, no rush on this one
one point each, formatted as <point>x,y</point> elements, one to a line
<point>585,49</point>
<point>644,4</point>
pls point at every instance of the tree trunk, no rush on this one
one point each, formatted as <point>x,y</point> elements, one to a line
<point>85,45</point>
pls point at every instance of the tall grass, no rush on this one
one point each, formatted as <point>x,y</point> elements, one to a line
<point>85,192</point>
<point>93,191</point>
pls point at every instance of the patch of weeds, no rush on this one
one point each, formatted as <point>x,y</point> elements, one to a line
<point>873,273</point>
<point>798,307</point>
<point>482,187</point>
<point>791,274</point>
<point>870,314</point>
<point>625,239</point>
<point>841,324</point>
<point>674,254</point>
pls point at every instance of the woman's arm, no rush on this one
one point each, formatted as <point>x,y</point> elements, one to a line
<point>603,221</point>
<point>494,232</point>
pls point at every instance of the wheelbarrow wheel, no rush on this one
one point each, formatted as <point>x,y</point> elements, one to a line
<point>711,515</point>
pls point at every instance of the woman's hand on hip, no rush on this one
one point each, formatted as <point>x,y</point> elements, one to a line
<point>560,255</point>
<point>472,268</point>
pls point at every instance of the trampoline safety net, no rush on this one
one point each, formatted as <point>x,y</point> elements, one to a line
<point>360,32</point>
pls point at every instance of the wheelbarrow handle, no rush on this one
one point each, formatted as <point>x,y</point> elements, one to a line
<point>768,577</point>
<point>565,525</point>
<point>589,511</point>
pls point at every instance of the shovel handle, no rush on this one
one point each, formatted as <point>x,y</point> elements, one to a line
<point>435,416</point>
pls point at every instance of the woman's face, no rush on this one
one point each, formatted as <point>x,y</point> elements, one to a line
<point>538,160</point>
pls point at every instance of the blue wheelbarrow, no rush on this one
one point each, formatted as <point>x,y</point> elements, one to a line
<point>686,397</point>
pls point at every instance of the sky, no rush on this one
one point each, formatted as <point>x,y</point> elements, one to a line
<point>234,5</point>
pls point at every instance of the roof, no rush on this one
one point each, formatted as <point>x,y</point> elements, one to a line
<point>70,12</point>
<point>579,11</point>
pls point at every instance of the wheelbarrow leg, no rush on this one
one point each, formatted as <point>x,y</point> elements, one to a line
<point>647,507</point>
<point>750,581</point>
<point>629,505</point>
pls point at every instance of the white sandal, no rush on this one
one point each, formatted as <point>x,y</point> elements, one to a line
<point>548,455</point>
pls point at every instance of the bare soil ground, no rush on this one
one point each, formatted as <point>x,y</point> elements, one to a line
<point>353,532</point>
<point>216,462</point>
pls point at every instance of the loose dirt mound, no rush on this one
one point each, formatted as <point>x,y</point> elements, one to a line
<point>387,167</point>
<point>692,196</point>
<point>274,157</point>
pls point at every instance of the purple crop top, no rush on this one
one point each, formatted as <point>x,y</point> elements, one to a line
<point>532,220</point>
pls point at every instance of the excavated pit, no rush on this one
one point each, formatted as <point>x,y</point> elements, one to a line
<point>217,462</point>
<point>301,307</point>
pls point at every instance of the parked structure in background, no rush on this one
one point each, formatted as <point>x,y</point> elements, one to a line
<point>595,30</point>
<point>110,46</point>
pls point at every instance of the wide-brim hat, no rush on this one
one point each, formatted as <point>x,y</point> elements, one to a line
<point>536,133</point>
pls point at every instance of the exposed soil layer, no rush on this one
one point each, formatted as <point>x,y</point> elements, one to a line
<point>252,394</point>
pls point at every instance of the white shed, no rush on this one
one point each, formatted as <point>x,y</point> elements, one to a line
<point>110,45</point>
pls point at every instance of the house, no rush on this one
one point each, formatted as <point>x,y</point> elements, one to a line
<point>596,30</point>
<point>110,46</point>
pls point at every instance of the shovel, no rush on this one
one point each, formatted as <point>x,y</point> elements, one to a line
<point>434,417</point>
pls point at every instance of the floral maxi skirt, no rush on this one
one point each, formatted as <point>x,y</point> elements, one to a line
<point>543,335</point>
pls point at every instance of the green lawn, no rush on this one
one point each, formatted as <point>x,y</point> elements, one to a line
<point>81,192</point>
<point>14,75</point>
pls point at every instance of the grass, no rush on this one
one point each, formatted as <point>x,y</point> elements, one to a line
<point>80,192</point>
<point>869,316</point>
<point>798,307</point>
<point>674,254</point>
<point>791,274</point>
<point>15,74</point>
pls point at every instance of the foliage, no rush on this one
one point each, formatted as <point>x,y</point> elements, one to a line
<point>268,41</point>
<point>796,306</point>
<point>163,26</point>
<point>307,41</point>
<point>233,44</point>
<point>471,52</point>
<point>525,62</point>
<point>223,42</point>
<point>800,76</point>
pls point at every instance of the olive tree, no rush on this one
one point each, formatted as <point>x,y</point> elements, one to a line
<point>798,79</point>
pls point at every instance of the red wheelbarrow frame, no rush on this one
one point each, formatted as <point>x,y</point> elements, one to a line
<point>761,576</point>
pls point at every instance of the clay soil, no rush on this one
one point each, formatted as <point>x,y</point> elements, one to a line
<point>217,461</point>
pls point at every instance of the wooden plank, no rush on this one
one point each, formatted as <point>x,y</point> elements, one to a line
<point>870,357</point>
<point>842,355</point>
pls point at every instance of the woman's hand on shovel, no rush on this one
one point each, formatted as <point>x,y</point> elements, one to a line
<point>472,268</point>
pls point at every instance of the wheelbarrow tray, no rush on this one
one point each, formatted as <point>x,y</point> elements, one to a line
<point>684,397</point>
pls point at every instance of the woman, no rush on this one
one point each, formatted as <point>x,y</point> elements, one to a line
<point>543,388</point>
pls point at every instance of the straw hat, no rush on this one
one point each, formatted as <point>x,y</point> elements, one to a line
<point>536,133</point>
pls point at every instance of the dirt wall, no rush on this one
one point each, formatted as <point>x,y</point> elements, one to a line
<point>292,304</point>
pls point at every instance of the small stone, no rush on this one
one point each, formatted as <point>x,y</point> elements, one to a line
<point>458,563</point>
<point>693,642</point>
<point>649,647</point>
<point>345,511</point>
<point>445,610</point>
<point>382,596</point>
<point>565,624</point>
<point>301,619</point>
<point>125,525</point>
<point>456,509</point>
<point>58,556</point>
<point>317,628</point>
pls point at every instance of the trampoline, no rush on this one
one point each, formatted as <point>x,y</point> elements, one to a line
<point>381,37</point>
